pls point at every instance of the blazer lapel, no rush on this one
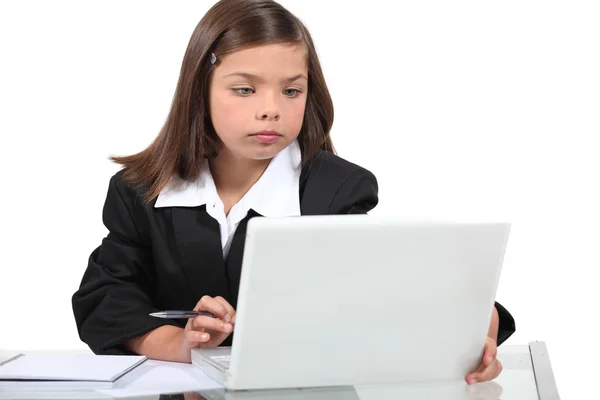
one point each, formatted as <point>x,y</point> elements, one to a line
<point>199,242</point>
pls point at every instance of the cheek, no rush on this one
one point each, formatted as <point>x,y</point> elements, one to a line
<point>224,113</point>
<point>295,115</point>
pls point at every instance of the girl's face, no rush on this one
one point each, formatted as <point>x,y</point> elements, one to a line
<point>257,99</point>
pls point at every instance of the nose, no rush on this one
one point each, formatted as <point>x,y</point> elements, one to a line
<point>269,110</point>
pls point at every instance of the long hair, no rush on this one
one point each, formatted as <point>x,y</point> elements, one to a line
<point>187,136</point>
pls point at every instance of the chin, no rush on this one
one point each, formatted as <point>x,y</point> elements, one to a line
<point>265,153</point>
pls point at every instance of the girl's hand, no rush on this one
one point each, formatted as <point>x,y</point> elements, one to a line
<point>207,331</point>
<point>489,368</point>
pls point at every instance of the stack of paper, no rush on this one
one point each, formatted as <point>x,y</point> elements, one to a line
<point>65,371</point>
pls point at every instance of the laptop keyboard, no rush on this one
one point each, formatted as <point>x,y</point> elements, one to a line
<point>222,360</point>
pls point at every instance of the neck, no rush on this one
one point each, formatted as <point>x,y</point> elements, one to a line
<point>234,176</point>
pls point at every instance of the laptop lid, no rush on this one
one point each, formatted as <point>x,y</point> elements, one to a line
<point>357,299</point>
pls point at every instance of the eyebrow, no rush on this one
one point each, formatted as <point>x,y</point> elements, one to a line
<point>259,79</point>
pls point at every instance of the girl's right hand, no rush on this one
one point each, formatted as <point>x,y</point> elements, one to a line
<point>207,331</point>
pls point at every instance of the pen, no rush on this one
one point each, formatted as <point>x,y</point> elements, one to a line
<point>181,314</point>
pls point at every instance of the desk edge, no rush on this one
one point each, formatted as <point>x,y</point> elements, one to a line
<point>542,371</point>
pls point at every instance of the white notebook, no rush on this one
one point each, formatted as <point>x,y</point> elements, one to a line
<point>65,371</point>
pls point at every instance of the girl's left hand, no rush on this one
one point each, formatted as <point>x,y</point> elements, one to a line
<point>489,368</point>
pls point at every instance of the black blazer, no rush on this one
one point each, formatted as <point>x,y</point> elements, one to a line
<point>168,258</point>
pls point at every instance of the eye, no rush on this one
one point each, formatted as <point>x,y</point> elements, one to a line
<point>291,92</point>
<point>243,91</point>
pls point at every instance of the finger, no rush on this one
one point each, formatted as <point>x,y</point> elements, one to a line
<point>211,305</point>
<point>490,352</point>
<point>473,376</point>
<point>230,317</point>
<point>490,372</point>
<point>197,337</point>
<point>213,324</point>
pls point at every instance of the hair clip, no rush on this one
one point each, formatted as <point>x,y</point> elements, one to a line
<point>213,58</point>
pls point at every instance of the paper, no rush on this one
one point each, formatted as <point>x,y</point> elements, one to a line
<point>36,371</point>
<point>154,377</point>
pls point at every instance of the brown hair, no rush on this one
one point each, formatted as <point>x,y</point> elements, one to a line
<point>187,137</point>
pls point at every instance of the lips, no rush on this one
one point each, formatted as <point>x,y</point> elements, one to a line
<point>267,133</point>
<point>267,136</point>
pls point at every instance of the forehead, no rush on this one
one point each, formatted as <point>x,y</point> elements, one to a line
<point>272,59</point>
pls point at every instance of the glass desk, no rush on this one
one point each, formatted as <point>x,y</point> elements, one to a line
<point>527,375</point>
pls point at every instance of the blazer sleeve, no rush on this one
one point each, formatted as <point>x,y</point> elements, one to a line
<point>358,194</point>
<point>114,297</point>
<point>506,324</point>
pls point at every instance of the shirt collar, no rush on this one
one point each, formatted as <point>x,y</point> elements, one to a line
<point>275,194</point>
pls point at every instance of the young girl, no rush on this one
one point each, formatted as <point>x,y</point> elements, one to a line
<point>247,135</point>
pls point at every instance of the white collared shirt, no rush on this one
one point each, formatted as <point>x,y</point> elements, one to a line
<point>275,194</point>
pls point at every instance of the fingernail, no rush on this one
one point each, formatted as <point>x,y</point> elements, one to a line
<point>227,327</point>
<point>227,317</point>
<point>204,336</point>
<point>490,358</point>
<point>233,320</point>
<point>472,381</point>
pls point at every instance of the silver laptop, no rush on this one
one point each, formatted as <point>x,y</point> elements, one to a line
<point>358,300</point>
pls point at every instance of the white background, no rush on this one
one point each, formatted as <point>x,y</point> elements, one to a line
<point>480,108</point>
